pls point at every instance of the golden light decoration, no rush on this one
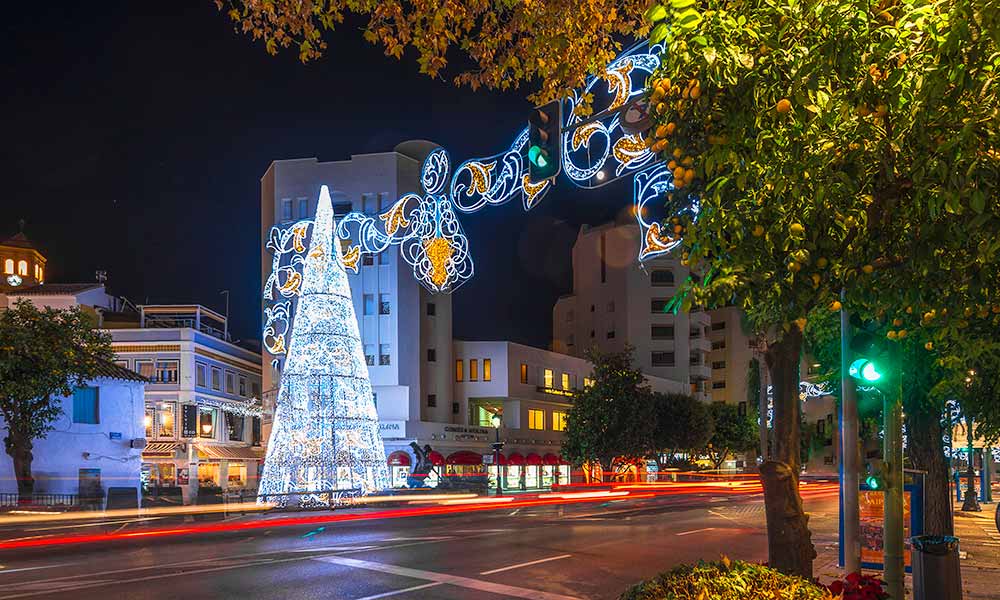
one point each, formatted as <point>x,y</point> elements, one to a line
<point>351,257</point>
<point>620,82</point>
<point>630,148</point>
<point>439,253</point>
<point>395,218</point>
<point>582,134</point>
<point>654,242</point>
<point>291,285</point>
<point>532,191</point>
<point>298,236</point>
<point>480,177</point>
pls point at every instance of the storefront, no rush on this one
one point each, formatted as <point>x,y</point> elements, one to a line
<point>515,470</point>
<point>554,471</point>
<point>228,467</point>
<point>160,468</point>
<point>437,461</point>
<point>496,469</point>
<point>532,471</point>
<point>399,468</point>
<point>465,467</point>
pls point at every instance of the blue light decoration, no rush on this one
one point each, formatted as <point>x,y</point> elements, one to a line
<point>654,194</point>
<point>325,434</point>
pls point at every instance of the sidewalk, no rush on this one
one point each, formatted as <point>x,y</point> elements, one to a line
<point>980,556</point>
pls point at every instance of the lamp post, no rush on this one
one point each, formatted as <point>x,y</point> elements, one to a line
<point>497,447</point>
<point>971,502</point>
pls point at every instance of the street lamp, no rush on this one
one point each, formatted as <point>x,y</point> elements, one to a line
<point>497,447</point>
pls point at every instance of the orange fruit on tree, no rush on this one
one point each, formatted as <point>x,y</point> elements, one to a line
<point>784,106</point>
<point>679,174</point>
<point>868,269</point>
<point>835,305</point>
<point>672,165</point>
<point>929,346</point>
<point>678,153</point>
<point>671,127</point>
<point>661,131</point>
<point>821,262</point>
<point>758,230</point>
<point>688,161</point>
<point>688,175</point>
<point>897,322</point>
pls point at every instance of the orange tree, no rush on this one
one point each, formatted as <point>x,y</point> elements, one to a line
<point>556,43</point>
<point>831,144</point>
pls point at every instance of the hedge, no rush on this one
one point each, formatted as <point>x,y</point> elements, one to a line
<point>725,580</point>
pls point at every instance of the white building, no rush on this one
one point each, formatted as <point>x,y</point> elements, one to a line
<point>730,358</point>
<point>202,412</point>
<point>94,445</point>
<point>617,301</point>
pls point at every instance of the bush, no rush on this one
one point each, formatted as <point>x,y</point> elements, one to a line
<point>725,580</point>
<point>859,587</point>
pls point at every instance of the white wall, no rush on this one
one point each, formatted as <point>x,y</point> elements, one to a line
<point>59,456</point>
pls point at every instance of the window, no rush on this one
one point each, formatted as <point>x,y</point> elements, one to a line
<point>166,371</point>
<point>148,421</point>
<point>565,381</point>
<point>695,332</point>
<point>383,304</point>
<point>369,354</point>
<point>230,382</point>
<point>718,326</point>
<point>592,308</point>
<point>536,419</point>
<point>145,368</point>
<point>431,309</point>
<point>454,408</point>
<point>206,422</point>
<point>587,382</point>
<point>570,339</point>
<point>243,385</point>
<point>821,426</point>
<point>217,379</point>
<point>303,208</point>
<point>611,307</point>
<point>487,369</point>
<point>8,266</point>
<point>661,332</point>
<point>459,371</point>
<point>662,359</point>
<point>558,421</point>
<point>234,427</point>
<point>741,409</point>
<point>383,354</point>
<point>719,345</point>
<point>473,370</point>
<point>85,405</point>
<point>165,419</point>
<point>661,278</point>
<point>658,305</point>
<point>286,209</point>
<point>719,364</point>
<point>718,385</point>
<point>342,208</point>
<point>254,389</point>
<point>431,355</point>
<point>432,400</point>
<point>122,363</point>
<point>368,304</point>
<point>367,260</point>
<point>524,373</point>
<point>201,374</point>
<point>547,378</point>
<point>611,334</point>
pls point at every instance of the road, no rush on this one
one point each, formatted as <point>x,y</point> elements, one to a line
<point>559,552</point>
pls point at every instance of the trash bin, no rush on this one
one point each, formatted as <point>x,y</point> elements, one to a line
<point>937,574</point>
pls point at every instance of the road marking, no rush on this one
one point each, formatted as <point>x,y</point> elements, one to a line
<point>695,531</point>
<point>525,564</point>
<point>78,525</point>
<point>332,549</point>
<point>403,591</point>
<point>3,570</point>
<point>408,539</point>
<point>456,580</point>
<point>718,514</point>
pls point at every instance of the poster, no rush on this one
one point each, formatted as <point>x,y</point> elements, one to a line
<point>872,505</point>
<point>182,476</point>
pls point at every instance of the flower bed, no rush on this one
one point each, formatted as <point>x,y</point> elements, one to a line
<point>726,580</point>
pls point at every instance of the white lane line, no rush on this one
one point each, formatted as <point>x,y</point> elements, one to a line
<point>2,570</point>
<point>718,514</point>
<point>456,580</point>
<point>403,591</point>
<point>525,564</point>
<point>407,539</point>
<point>333,549</point>
<point>695,531</point>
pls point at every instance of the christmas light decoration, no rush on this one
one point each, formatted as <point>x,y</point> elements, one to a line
<point>325,434</point>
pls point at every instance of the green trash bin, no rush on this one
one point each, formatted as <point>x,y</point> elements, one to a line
<point>937,574</point>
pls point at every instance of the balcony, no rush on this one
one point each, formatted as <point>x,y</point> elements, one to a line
<point>699,371</point>
<point>700,344</point>
<point>700,319</point>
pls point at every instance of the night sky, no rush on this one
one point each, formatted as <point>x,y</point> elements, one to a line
<point>135,135</point>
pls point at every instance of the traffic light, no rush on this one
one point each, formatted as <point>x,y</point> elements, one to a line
<point>544,142</point>
<point>874,475</point>
<point>870,355</point>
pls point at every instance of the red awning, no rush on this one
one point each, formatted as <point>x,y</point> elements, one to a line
<point>515,459</point>
<point>551,459</point>
<point>499,458</point>
<point>399,459</point>
<point>465,457</point>
<point>533,459</point>
<point>436,458</point>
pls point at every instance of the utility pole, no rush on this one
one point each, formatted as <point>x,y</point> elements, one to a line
<point>892,529</point>
<point>849,460</point>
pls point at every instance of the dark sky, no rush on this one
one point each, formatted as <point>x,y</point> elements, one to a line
<point>135,135</point>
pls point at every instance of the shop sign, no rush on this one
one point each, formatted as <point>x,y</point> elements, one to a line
<point>115,435</point>
<point>392,429</point>
<point>460,429</point>
<point>189,420</point>
<point>556,392</point>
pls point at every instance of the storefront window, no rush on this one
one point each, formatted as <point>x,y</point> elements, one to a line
<point>237,475</point>
<point>206,423</point>
<point>548,475</point>
<point>399,475</point>
<point>208,474</point>
<point>155,475</point>
<point>165,413</point>
<point>148,422</point>
<point>564,472</point>
<point>234,427</point>
<point>514,477</point>
<point>531,476</point>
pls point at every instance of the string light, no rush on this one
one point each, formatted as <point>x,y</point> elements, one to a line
<point>325,434</point>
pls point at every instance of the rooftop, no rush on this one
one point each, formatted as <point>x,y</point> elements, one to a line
<point>113,371</point>
<point>55,289</point>
<point>18,240</point>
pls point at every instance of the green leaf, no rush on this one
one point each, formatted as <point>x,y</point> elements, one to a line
<point>658,34</point>
<point>978,201</point>
<point>656,12</point>
<point>679,5</point>
<point>689,19</point>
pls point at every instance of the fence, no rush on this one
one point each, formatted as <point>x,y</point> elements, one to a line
<point>8,500</point>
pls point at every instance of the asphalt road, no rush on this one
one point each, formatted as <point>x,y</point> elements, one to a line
<point>544,553</point>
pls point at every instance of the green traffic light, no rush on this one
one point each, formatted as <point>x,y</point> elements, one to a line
<point>870,373</point>
<point>872,482</point>
<point>537,157</point>
<point>865,369</point>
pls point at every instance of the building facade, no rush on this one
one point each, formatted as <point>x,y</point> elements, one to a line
<point>201,415</point>
<point>616,301</point>
<point>730,358</point>
<point>94,444</point>
<point>21,264</point>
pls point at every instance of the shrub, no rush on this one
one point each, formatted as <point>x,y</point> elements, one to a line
<point>725,580</point>
<point>859,587</point>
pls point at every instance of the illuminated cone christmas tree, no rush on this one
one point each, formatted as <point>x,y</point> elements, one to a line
<point>325,434</point>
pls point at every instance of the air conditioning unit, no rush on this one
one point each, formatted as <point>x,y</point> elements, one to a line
<point>138,443</point>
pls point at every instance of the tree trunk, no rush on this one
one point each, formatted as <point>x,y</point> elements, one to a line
<point>927,454</point>
<point>789,542</point>
<point>19,448</point>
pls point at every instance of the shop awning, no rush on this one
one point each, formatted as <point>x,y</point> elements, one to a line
<point>229,452</point>
<point>532,459</point>
<point>399,459</point>
<point>499,459</point>
<point>436,458</point>
<point>465,457</point>
<point>160,450</point>
<point>515,459</point>
<point>551,459</point>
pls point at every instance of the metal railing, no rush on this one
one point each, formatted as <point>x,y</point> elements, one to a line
<point>9,500</point>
